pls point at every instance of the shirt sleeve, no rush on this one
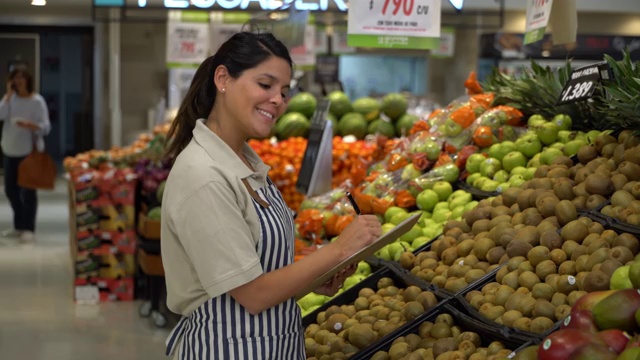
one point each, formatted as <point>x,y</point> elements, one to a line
<point>43,118</point>
<point>210,225</point>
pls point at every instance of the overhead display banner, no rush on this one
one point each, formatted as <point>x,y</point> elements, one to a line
<point>538,14</point>
<point>265,5</point>
<point>396,24</point>
<point>187,38</point>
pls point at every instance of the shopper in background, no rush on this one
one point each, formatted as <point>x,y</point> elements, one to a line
<point>227,234</point>
<point>26,121</point>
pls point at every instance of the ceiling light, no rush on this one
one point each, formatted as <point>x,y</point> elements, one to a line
<point>38,2</point>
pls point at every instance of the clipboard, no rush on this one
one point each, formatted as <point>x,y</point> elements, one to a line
<point>364,253</point>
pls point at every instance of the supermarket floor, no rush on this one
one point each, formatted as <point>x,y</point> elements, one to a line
<point>38,319</point>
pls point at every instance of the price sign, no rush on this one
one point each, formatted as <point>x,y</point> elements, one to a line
<point>582,83</point>
<point>187,40</point>
<point>409,24</point>
<point>538,13</point>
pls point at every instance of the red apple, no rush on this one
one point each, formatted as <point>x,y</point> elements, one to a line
<point>563,344</point>
<point>616,340</point>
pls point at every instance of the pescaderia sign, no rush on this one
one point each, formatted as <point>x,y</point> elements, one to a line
<point>266,5</point>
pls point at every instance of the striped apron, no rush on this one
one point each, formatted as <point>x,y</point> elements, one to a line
<point>222,329</point>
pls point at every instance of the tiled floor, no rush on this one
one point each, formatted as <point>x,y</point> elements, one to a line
<point>38,319</point>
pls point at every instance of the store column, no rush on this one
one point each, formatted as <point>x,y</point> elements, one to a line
<point>115,110</point>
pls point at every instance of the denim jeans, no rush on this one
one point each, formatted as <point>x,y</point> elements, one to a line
<point>24,202</point>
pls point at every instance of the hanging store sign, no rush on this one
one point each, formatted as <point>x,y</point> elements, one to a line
<point>538,13</point>
<point>266,5</point>
<point>187,38</point>
<point>398,24</point>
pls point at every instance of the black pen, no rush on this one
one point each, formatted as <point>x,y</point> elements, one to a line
<point>353,203</point>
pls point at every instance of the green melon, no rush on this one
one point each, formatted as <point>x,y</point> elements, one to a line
<point>405,123</point>
<point>394,105</point>
<point>304,103</point>
<point>291,125</point>
<point>154,213</point>
<point>368,107</point>
<point>353,123</point>
<point>382,127</point>
<point>340,103</point>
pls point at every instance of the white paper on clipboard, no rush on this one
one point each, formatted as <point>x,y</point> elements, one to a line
<point>364,253</point>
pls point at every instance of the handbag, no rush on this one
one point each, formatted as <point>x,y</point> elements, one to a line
<point>37,170</point>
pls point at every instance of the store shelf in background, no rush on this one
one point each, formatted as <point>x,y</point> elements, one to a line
<point>487,333</point>
<point>148,228</point>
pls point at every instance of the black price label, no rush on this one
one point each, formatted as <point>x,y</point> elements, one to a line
<point>582,84</point>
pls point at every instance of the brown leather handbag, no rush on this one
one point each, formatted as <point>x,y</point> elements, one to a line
<point>37,170</point>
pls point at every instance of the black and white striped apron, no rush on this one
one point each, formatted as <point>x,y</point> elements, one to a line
<point>222,329</point>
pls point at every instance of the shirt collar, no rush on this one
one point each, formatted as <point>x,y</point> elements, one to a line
<point>219,151</point>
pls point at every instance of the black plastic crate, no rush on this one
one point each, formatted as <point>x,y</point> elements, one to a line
<point>503,329</point>
<point>476,193</point>
<point>612,223</point>
<point>350,295</point>
<point>487,333</point>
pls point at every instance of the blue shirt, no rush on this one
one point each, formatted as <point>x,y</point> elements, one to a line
<point>17,141</point>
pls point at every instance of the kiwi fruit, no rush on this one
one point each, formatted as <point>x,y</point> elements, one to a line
<point>511,280</point>
<point>587,153</point>
<point>551,239</point>
<point>596,244</point>
<point>596,281</point>
<point>562,160</point>
<point>542,324</point>
<point>440,331</point>
<point>528,279</point>
<point>628,241</point>
<point>597,257</point>
<point>575,230</point>
<point>558,256</point>
<point>509,317</point>
<point>528,234</point>
<point>608,150</point>
<point>523,324</point>
<point>632,154</point>
<point>566,284</point>
<point>455,224</point>
<point>621,254</point>
<point>538,254</point>
<point>542,291</point>
<point>595,201</point>
<point>544,308</point>
<point>565,211</point>
<point>481,247</point>
<point>580,202</point>
<point>567,268</point>
<point>563,189</point>
<point>545,268</point>
<point>518,248</point>
<point>546,205</point>
<point>475,214</point>
<point>465,247</point>
<point>630,170</point>
<point>495,254</point>
<point>523,199</point>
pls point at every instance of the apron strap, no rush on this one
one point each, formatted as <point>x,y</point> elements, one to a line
<point>175,336</point>
<point>254,194</point>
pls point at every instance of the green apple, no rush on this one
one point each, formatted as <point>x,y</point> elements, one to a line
<point>458,193</point>
<point>420,241</point>
<point>529,146</point>
<point>423,215</point>
<point>592,135</point>
<point>448,172</point>
<point>471,178</point>
<point>363,268</point>
<point>470,206</point>
<point>414,232</point>
<point>457,211</point>
<point>443,189</point>
<point>393,210</point>
<point>384,253</point>
<point>564,136</point>
<point>305,312</point>
<point>490,185</point>
<point>535,161</point>
<point>311,300</point>
<point>518,170</point>
<point>479,181</point>
<point>581,135</point>
<point>431,232</point>
<point>395,250</point>
<point>528,175</point>
<point>427,200</point>
<point>441,205</point>
<point>512,160</point>
<point>459,201</point>
<point>557,145</point>
<point>620,279</point>
<point>352,280</point>
<point>432,149</point>
<point>473,163</point>
<point>410,172</point>
<point>501,176</point>
<point>451,128</point>
<point>516,180</point>
<point>441,216</point>
<point>535,120</point>
<point>547,133</point>
<point>571,148</point>
<point>387,227</point>
<point>502,149</point>
<point>562,121</point>
<point>400,217</point>
<point>503,186</point>
<point>549,154</point>
<point>490,167</point>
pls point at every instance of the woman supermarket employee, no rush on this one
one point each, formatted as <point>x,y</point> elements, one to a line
<point>227,234</point>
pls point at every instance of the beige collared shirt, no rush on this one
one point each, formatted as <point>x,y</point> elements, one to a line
<point>210,228</point>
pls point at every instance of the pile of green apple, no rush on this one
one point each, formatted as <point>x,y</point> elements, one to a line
<point>312,301</point>
<point>437,205</point>
<point>510,164</point>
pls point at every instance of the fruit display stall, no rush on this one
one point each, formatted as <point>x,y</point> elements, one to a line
<point>528,221</point>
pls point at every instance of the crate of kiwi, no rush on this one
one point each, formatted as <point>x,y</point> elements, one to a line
<point>370,311</point>
<point>446,334</point>
<point>534,292</point>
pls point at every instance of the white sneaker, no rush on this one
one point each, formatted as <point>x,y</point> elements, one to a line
<point>27,237</point>
<point>11,233</point>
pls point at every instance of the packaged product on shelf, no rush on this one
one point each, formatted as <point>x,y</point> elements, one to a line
<point>106,290</point>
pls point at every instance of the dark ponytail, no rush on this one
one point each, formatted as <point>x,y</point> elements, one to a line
<point>243,51</point>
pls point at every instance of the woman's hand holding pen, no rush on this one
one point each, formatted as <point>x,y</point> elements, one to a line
<point>362,231</point>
